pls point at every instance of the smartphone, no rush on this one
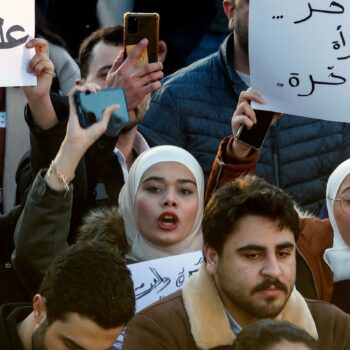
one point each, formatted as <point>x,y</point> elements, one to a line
<point>138,26</point>
<point>90,107</point>
<point>254,137</point>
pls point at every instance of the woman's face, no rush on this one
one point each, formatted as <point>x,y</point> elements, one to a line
<point>342,210</point>
<point>166,203</point>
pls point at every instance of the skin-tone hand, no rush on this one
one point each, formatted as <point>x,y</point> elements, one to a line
<point>38,96</point>
<point>77,139</point>
<point>137,82</point>
<point>245,115</point>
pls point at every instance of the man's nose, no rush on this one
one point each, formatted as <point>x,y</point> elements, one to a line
<point>271,267</point>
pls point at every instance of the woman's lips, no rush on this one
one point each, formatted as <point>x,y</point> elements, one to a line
<point>168,221</point>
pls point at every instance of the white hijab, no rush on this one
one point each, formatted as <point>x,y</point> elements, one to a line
<point>337,257</point>
<point>140,248</point>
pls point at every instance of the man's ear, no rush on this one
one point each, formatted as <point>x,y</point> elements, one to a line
<point>211,259</point>
<point>162,50</point>
<point>39,307</point>
<point>229,9</point>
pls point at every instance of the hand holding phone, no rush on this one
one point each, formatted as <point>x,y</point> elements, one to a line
<point>138,26</point>
<point>254,137</point>
<point>90,107</point>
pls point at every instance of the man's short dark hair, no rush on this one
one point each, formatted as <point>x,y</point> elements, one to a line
<point>266,333</point>
<point>91,280</point>
<point>247,195</point>
<point>112,35</point>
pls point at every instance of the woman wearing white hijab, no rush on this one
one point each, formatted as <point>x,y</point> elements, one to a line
<point>162,204</point>
<point>338,256</point>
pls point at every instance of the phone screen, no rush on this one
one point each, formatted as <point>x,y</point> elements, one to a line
<point>255,136</point>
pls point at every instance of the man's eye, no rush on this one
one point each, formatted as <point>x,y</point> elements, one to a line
<point>252,256</point>
<point>283,254</point>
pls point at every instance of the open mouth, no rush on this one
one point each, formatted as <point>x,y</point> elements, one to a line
<point>168,221</point>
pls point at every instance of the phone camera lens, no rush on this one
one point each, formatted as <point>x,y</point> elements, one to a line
<point>133,24</point>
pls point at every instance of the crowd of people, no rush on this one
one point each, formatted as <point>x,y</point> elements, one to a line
<point>175,180</point>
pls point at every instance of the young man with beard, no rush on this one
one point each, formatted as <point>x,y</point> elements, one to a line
<point>84,301</point>
<point>250,228</point>
<point>194,106</point>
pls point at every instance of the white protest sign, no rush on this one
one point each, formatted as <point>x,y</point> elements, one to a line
<point>299,53</point>
<point>17,26</point>
<point>155,279</point>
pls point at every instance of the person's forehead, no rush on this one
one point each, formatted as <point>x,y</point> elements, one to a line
<point>104,54</point>
<point>259,231</point>
<point>83,331</point>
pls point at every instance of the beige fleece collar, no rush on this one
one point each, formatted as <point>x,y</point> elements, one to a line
<point>210,326</point>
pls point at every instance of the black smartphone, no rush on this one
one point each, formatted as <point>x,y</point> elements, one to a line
<point>90,107</point>
<point>138,26</point>
<point>254,137</point>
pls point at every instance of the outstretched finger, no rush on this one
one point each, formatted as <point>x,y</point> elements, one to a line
<point>136,52</point>
<point>97,129</point>
<point>250,95</point>
<point>40,45</point>
<point>116,63</point>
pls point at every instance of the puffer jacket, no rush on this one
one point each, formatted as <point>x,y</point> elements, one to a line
<point>193,110</point>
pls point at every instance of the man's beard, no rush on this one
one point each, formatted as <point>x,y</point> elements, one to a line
<point>241,32</point>
<point>38,337</point>
<point>266,308</point>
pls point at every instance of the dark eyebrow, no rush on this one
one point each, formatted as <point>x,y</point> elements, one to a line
<point>161,179</point>
<point>108,66</point>
<point>285,245</point>
<point>251,247</point>
<point>71,343</point>
<point>153,178</point>
<point>261,248</point>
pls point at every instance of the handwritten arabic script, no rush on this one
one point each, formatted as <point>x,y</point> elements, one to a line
<point>17,25</point>
<point>299,56</point>
<point>11,42</point>
<point>158,278</point>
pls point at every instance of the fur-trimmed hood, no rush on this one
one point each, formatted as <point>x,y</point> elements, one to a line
<point>205,309</point>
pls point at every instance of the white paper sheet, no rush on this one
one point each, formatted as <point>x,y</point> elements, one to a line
<point>300,56</point>
<point>17,26</point>
<point>155,279</point>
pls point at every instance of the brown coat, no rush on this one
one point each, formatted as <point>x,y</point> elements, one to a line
<point>195,318</point>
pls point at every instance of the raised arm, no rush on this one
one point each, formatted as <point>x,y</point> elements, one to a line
<point>38,96</point>
<point>43,227</point>
<point>235,158</point>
